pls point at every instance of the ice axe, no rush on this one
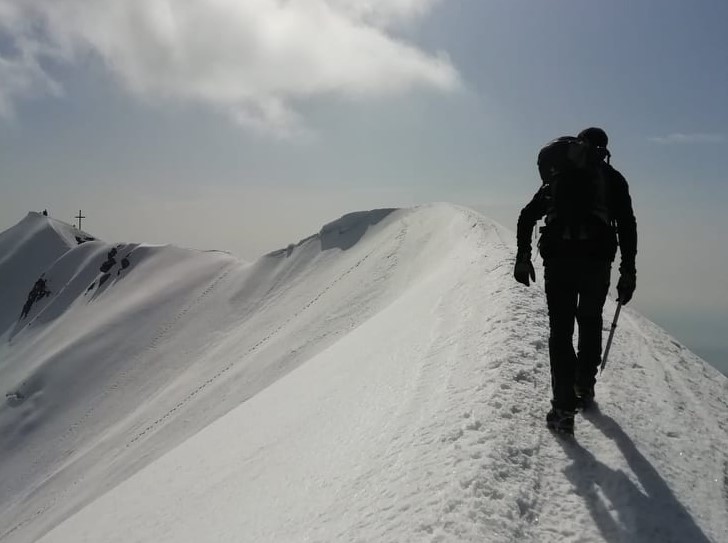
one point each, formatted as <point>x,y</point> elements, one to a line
<point>611,336</point>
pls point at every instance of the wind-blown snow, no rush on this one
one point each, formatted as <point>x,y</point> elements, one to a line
<point>384,380</point>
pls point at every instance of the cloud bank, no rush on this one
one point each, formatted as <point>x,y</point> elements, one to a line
<point>253,58</point>
<point>678,138</point>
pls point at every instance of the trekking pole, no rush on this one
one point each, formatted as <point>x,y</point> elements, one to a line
<point>611,336</point>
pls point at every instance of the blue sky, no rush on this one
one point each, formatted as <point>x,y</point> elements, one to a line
<point>245,126</point>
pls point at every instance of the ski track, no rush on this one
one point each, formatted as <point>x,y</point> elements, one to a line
<point>189,397</point>
<point>163,332</point>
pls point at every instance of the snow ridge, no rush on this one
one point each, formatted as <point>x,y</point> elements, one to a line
<point>382,380</point>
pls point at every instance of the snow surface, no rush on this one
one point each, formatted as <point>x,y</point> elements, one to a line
<point>31,245</point>
<point>383,380</point>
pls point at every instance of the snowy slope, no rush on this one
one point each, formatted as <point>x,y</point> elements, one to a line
<point>26,250</point>
<point>84,356</point>
<point>384,380</point>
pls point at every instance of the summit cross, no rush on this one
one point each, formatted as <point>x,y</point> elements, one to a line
<point>79,217</point>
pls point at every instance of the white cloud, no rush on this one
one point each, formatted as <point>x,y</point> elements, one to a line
<point>678,138</point>
<point>20,77</point>
<point>254,58</point>
<point>384,12</point>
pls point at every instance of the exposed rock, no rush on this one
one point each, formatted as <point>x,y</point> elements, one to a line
<point>104,278</point>
<point>38,292</point>
<point>84,239</point>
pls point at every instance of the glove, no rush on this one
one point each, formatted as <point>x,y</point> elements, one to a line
<point>524,269</point>
<point>626,285</point>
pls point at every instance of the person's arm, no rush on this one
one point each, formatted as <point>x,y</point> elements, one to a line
<point>528,218</point>
<point>536,208</point>
<point>627,235</point>
<point>626,225</point>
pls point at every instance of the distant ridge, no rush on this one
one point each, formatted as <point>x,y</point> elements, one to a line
<point>26,251</point>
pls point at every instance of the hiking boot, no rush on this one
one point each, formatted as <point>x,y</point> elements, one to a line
<point>560,421</point>
<point>584,397</point>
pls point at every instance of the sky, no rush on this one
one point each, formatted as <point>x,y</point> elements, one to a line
<point>246,126</point>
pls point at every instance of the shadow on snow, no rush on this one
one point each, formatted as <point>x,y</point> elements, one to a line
<point>648,514</point>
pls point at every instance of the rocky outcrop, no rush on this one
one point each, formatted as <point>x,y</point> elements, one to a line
<point>38,292</point>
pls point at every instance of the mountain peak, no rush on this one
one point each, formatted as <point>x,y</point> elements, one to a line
<point>27,249</point>
<point>36,226</point>
<point>392,388</point>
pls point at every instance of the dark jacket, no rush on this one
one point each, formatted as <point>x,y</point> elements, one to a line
<point>622,232</point>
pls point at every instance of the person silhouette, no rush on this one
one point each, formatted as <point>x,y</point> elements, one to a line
<point>589,214</point>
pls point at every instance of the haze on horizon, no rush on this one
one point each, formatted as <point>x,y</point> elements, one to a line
<point>245,126</point>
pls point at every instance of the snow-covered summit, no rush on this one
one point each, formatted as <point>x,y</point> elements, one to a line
<point>26,251</point>
<point>44,233</point>
<point>382,380</point>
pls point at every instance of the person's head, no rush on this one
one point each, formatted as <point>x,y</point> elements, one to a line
<point>597,138</point>
<point>594,136</point>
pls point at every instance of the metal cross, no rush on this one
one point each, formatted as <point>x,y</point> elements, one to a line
<point>79,217</point>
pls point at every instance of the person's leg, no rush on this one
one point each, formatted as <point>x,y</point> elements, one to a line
<point>593,289</point>
<point>561,297</point>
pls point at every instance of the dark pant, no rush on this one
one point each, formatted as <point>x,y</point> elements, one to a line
<point>576,289</point>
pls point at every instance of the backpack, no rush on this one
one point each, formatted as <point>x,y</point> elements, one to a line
<point>577,185</point>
